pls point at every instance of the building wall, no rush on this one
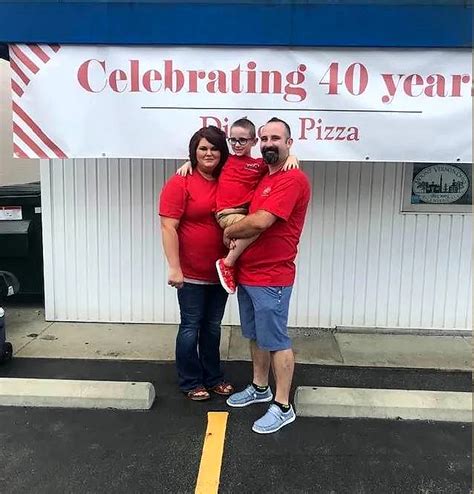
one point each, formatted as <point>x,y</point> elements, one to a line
<point>12,171</point>
<point>361,262</point>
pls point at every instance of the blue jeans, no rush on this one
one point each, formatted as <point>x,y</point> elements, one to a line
<point>197,343</point>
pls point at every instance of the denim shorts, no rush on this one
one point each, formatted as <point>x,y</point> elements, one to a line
<point>264,315</point>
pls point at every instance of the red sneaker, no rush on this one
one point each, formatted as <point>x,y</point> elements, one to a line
<point>226,276</point>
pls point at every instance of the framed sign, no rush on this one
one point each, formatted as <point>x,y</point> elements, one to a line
<point>437,188</point>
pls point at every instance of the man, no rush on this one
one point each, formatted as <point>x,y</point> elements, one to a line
<point>266,275</point>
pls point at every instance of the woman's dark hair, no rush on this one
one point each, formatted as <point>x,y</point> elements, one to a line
<point>217,138</point>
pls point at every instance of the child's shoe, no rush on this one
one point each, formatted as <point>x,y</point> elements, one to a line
<point>226,276</point>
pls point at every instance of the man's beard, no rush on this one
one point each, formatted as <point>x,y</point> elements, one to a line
<point>270,155</point>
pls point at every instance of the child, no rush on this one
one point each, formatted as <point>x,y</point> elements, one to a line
<point>237,183</point>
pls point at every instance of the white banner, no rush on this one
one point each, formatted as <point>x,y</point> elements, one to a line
<point>146,102</point>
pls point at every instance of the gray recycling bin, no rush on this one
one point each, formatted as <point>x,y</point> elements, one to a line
<point>21,246</point>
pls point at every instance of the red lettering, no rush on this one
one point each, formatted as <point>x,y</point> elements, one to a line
<point>437,85</point>
<point>149,77</point>
<point>332,83</point>
<point>217,82</point>
<point>329,131</point>
<point>83,75</point>
<point>340,133</point>
<point>353,134</point>
<point>251,78</point>
<point>293,79</point>
<point>322,132</point>
<point>410,82</point>
<point>235,80</point>
<point>174,79</point>
<point>209,120</point>
<point>115,77</point>
<point>192,86</point>
<point>457,80</point>
<point>266,76</point>
<point>363,78</point>
<point>307,124</point>
<point>134,76</point>
<point>391,86</point>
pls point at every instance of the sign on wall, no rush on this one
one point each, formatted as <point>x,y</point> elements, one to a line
<point>146,102</point>
<point>437,188</point>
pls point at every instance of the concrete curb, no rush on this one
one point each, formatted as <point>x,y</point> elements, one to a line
<point>64,393</point>
<point>445,406</point>
<point>383,330</point>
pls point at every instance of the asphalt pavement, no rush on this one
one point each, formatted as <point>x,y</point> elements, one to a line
<point>158,451</point>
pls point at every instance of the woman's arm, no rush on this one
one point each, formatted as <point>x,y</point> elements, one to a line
<point>169,235</point>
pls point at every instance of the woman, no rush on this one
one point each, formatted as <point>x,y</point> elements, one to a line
<point>192,241</point>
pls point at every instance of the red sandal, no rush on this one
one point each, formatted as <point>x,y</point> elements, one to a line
<point>223,389</point>
<point>198,394</point>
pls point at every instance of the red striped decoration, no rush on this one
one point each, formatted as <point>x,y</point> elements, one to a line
<point>35,134</point>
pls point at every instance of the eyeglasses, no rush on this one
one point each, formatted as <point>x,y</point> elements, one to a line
<point>241,141</point>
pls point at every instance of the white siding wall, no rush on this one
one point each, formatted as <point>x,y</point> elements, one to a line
<point>361,262</point>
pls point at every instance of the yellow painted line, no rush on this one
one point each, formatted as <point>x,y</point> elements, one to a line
<point>211,459</point>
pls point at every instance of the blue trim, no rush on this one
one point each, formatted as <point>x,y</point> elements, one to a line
<point>256,24</point>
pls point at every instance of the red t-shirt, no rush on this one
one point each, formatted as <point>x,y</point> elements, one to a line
<point>269,261</point>
<point>238,181</point>
<point>192,200</point>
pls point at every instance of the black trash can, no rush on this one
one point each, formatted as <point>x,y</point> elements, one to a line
<point>21,244</point>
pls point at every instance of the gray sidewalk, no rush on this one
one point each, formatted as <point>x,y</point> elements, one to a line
<point>32,336</point>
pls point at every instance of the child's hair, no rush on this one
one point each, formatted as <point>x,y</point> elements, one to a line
<point>245,123</point>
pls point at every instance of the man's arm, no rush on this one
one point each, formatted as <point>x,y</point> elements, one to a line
<point>253,224</point>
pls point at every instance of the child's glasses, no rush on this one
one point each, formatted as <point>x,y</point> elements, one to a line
<point>241,141</point>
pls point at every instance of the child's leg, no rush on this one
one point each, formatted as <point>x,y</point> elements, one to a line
<point>240,245</point>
